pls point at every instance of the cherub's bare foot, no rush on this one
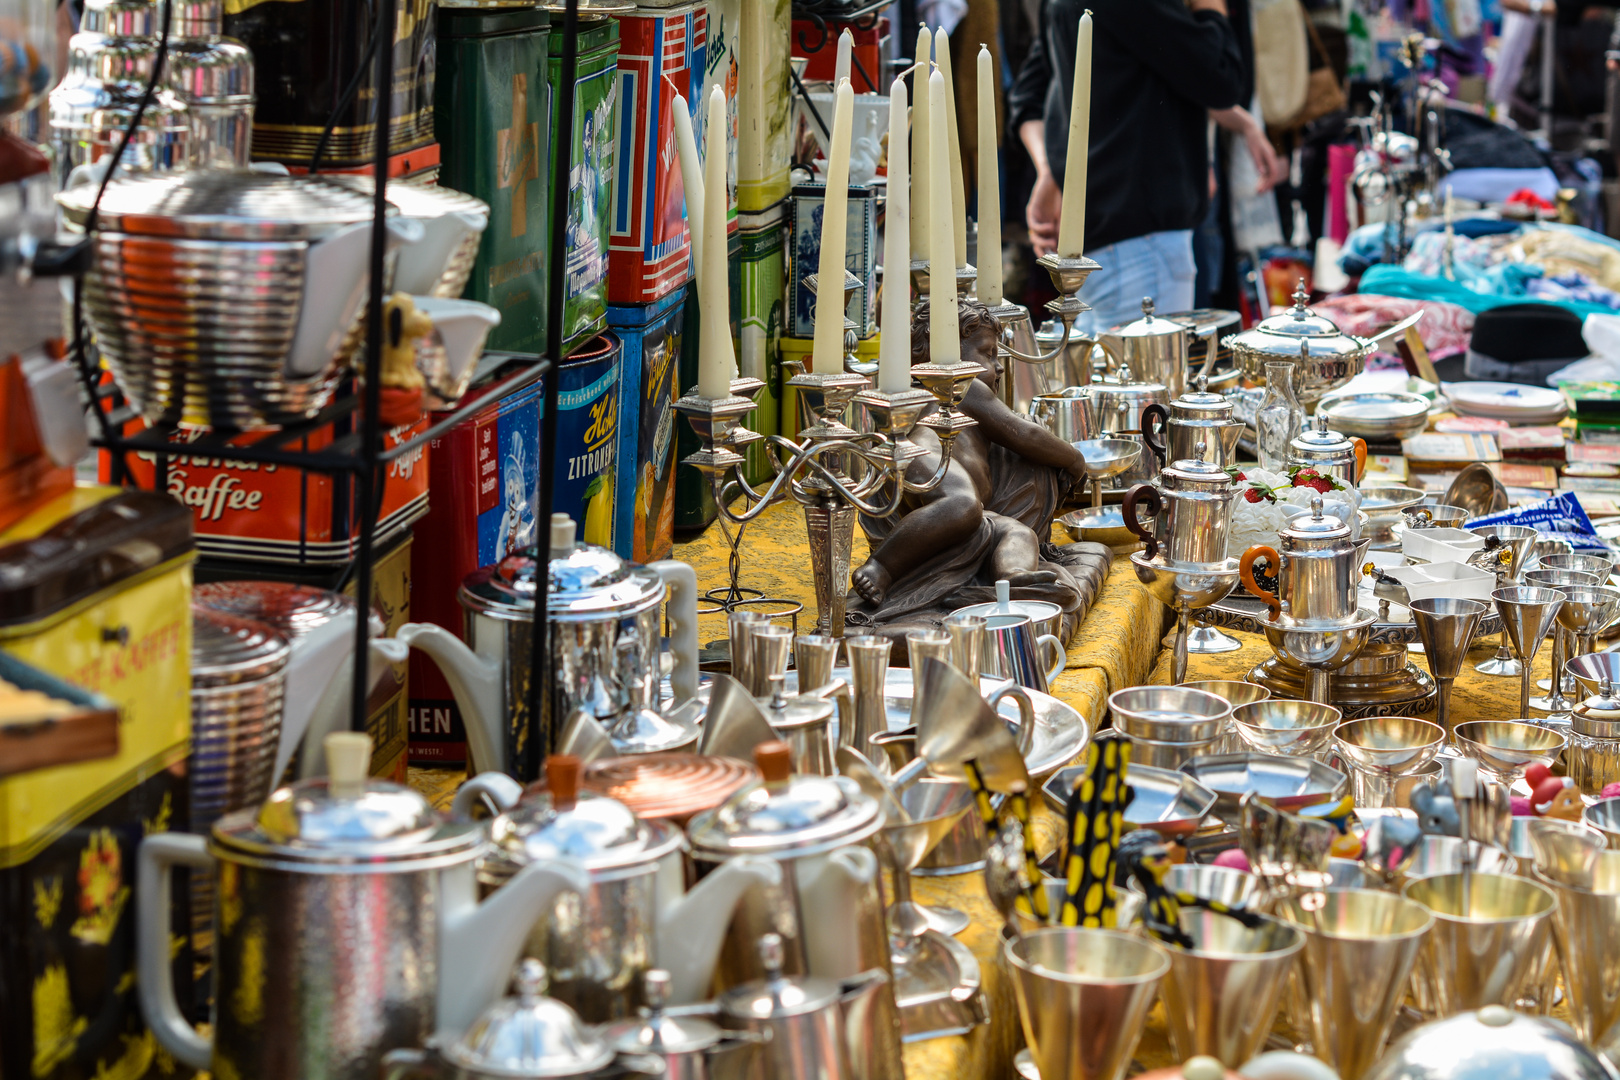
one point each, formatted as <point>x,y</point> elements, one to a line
<point>1031,577</point>
<point>872,581</point>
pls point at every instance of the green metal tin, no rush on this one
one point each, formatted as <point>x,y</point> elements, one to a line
<point>759,297</point>
<point>492,120</point>
<point>591,172</point>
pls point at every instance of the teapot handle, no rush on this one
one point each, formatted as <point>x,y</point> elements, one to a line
<point>1153,433</point>
<point>1060,656</point>
<point>1026,711</point>
<point>681,581</point>
<point>1361,457</point>
<point>1246,571</point>
<point>159,854</point>
<point>1148,494</point>
<point>500,790</point>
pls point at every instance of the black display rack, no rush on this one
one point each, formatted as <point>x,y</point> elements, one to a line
<point>359,453</point>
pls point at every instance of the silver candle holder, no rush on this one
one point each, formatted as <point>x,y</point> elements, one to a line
<point>816,469</point>
<point>1018,329</point>
<point>967,275</point>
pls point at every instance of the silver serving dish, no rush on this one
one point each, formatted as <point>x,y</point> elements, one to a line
<point>1478,491</point>
<point>1384,416</point>
<point>1283,782</point>
<point>1324,357</point>
<point>1060,731</point>
<point>1172,804</point>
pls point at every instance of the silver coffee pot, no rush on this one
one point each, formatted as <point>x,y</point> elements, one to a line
<point>689,1047</point>
<point>1318,569</point>
<point>605,616</point>
<point>1154,346</point>
<point>1117,405</point>
<point>346,922</point>
<point>528,1036</point>
<point>1330,453</point>
<point>827,910</point>
<point>1195,417</point>
<point>807,1026</point>
<point>599,943</point>
<point>1191,508</point>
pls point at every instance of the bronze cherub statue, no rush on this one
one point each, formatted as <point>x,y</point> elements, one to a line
<point>988,520</point>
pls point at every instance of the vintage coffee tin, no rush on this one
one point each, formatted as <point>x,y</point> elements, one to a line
<point>662,52</point>
<point>484,476</point>
<point>758,173</point>
<point>590,175</point>
<point>494,127</point>
<point>759,296</point>
<point>652,339</point>
<point>860,258</point>
<point>111,614</point>
<point>260,513</point>
<point>306,54</point>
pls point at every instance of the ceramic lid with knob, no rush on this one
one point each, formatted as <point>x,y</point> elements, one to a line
<point>595,832</point>
<point>657,1032</point>
<point>227,649</point>
<point>1493,1043</point>
<point>586,582</point>
<point>1315,529</point>
<point>1197,474</point>
<point>219,204</point>
<point>1149,325</point>
<point>1298,331</point>
<point>786,814</point>
<point>368,825</point>
<point>530,1035</point>
<point>778,997</point>
<point>1201,404</point>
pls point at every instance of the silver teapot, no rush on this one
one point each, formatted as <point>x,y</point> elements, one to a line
<point>525,1037</point>
<point>1154,346</point>
<point>1324,357</point>
<point>347,925</point>
<point>605,650</point>
<point>599,943</point>
<point>690,1047</point>
<point>1318,569</point>
<point>1329,452</point>
<point>1196,417</point>
<point>1117,405</point>
<point>1191,508</point>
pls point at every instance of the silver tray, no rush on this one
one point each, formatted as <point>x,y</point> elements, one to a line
<point>1060,731</point>
<point>1287,783</point>
<point>1170,803</point>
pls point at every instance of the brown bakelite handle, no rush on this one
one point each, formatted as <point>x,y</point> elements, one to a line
<point>1142,493</point>
<point>774,761</point>
<point>562,778</point>
<point>1246,571</point>
<point>1153,434</point>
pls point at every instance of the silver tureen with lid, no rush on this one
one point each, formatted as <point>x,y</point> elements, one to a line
<point>1324,357</point>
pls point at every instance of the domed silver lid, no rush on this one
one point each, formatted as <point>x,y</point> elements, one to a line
<point>219,204</point>
<point>590,830</point>
<point>530,1035</point>
<point>1149,325</point>
<point>227,649</point>
<point>291,609</point>
<point>1315,526</point>
<point>585,582</point>
<point>776,996</point>
<point>659,1033</point>
<point>784,812</point>
<point>1490,1044</point>
<point>1299,330</point>
<point>1201,404</point>
<point>1317,440</point>
<point>1196,473</point>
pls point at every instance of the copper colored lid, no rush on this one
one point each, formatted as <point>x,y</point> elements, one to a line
<point>669,785</point>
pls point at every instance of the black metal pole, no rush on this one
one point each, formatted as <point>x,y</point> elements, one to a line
<point>542,733</point>
<point>366,479</point>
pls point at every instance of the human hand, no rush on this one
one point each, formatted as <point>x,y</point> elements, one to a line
<point>1042,214</point>
<point>1268,166</point>
<point>1217,6</point>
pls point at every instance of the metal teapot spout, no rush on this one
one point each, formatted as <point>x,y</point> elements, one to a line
<point>692,929</point>
<point>475,682</point>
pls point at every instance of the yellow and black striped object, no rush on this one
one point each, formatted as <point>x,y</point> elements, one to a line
<point>1096,813</point>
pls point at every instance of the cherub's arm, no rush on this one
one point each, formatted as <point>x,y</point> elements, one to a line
<point>1019,434</point>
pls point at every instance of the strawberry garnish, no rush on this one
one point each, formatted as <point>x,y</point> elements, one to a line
<point>1253,495</point>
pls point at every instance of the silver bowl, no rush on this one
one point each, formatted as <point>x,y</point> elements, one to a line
<point>1288,728</point>
<point>1286,783</point>
<point>1604,816</point>
<point>1169,713</point>
<point>1385,416</point>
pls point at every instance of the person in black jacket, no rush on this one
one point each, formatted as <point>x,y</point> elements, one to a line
<point>1158,68</point>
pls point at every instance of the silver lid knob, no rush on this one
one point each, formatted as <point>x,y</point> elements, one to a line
<point>770,955</point>
<point>530,980</point>
<point>656,986</point>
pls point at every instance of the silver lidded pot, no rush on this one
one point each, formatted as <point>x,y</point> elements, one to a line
<point>1117,405</point>
<point>1154,346</point>
<point>528,1035</point>
<point>1195,417</point>
<point>1324,357</point>
<point>689,1047</point>
<point>1592,755</point>
<point>1191,508</point>
<point>344,899</point>
<point>1329,452</point>
<point>1492,1043</point>
<point>1318,570</point>
<point>599,944</point>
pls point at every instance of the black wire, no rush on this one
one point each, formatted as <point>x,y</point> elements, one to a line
<point>343,103</point>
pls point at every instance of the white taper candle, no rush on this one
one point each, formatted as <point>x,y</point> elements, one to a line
<point>827,347</point>
<point>989,185</point>
<point>894,350</point>
<point>1072,224</point>
<point>953,133</point>
<point>944,340</point>
<point>717,361</point>
<point>919,147</point>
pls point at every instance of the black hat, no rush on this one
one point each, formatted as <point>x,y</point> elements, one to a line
<point>1524,343</point>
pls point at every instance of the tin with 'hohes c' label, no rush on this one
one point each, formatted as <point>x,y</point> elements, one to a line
<point>589,396</point>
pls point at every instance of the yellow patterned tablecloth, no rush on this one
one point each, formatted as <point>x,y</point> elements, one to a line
<point>1116,646</point>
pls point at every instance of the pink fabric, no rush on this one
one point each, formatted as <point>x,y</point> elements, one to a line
<point>1445,328</point>
<point>1341,162</point>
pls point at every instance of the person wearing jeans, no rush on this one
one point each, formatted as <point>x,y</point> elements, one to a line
<point>1159,67</point>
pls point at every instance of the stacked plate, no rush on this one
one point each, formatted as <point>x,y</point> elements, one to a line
<point>1515,403</point>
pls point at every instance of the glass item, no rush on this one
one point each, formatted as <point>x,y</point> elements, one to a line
<point>1279,418</point>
